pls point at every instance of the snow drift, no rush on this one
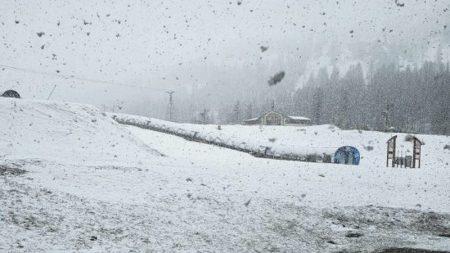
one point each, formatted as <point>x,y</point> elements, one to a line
<point>32,129</point>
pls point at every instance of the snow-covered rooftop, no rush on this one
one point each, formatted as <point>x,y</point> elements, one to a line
<point>299,118</point>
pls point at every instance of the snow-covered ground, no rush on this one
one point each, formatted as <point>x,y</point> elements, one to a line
<point>63,132</point>
<point>307,140</point>
<point>90,184</point>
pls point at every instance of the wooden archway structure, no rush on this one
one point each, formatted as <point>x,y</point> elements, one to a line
<point>407,161</point>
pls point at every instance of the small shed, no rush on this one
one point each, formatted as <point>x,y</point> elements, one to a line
<point>400,159</point>
<point>347,155</point>
<point>299,120</point>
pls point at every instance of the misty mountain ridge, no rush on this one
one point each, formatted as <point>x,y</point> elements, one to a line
<point>103,53</point>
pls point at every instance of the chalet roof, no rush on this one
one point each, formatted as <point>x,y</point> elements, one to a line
<point>299,118</point>
<point>252,119</point>
<point>418,140</point>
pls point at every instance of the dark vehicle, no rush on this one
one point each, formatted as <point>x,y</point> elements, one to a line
<point>11,94</point>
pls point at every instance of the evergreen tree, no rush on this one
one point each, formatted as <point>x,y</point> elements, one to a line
<point>237,112</point>
<point>249,111</point>
<point>318,105</point>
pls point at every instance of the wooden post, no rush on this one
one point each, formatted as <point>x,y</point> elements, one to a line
<point>417,150</point>
<point>391,149</point>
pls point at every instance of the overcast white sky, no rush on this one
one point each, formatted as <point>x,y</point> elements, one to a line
<point>174,44</point>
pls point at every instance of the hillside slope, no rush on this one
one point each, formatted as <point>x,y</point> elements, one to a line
<point>66,191</point>
<point>65,132</point>
<point>316,139</point>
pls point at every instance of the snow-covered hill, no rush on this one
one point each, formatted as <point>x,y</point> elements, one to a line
<point>65,132</point>
<point>317,139</point>
<point>67,191</point>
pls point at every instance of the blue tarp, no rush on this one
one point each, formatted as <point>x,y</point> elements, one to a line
<point>347,155</point>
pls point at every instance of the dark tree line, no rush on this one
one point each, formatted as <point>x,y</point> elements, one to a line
<point>407,100</point>
<point>387,99</point>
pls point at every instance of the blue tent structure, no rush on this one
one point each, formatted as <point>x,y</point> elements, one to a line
<point>347,155</point>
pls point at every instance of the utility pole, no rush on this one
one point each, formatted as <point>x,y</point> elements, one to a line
<point>170,104</point>
<point>204,116</point>
<point>386,114</point>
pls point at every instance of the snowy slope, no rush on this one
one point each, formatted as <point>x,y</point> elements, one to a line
<point>308,140</point>
<point>73,196</point>
<point>323,185</point>
<point>66,132</point>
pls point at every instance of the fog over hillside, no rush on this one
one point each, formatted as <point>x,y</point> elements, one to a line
<point>225,126</point>
<point>128,53</point>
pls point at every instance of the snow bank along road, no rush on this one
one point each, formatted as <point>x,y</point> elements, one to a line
<point>72,179</point>
<point>297,142</point>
